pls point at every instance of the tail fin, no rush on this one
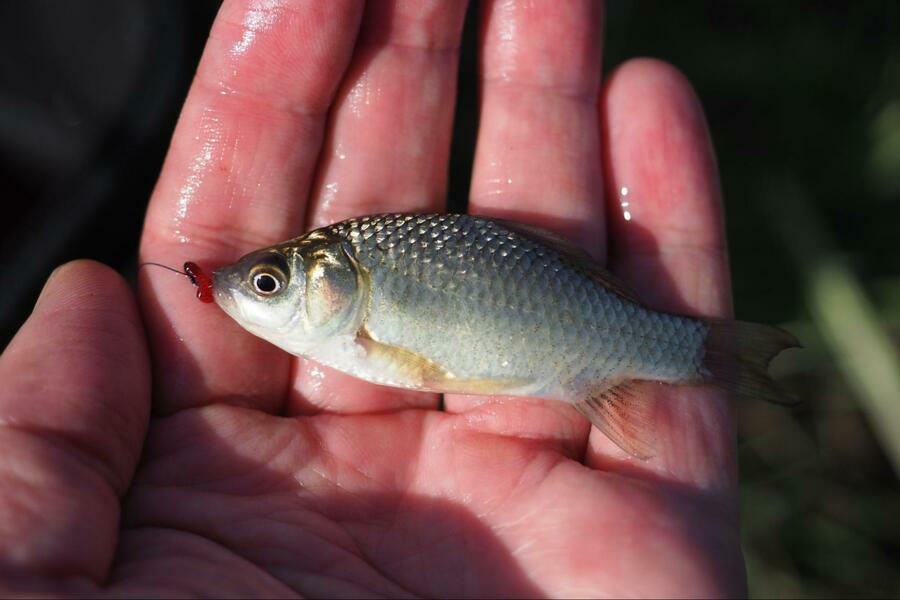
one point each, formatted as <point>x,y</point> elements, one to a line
<point>738,355</point>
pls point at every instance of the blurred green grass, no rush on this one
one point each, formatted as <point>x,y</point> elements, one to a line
<point>803,100</point>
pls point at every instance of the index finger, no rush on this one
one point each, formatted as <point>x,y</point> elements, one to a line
<point>236,178</point>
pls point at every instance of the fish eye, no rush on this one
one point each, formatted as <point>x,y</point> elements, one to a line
<point>266,283</point>
<point>268,273</point>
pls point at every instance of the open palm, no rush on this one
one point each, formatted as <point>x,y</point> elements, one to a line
<point>261,474</point>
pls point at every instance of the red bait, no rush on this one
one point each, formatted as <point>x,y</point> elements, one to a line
<point>201,280</point>
<point>197,276</point>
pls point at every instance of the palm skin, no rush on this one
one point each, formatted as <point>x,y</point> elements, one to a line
<point>261,474</point>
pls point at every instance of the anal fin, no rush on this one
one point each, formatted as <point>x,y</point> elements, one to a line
<point>624,413</point>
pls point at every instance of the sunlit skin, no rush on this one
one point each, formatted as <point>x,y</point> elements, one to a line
<point>261,474</point>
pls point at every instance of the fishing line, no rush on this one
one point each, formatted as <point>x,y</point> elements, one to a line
<point>193,272</point>
<point>168,268</point>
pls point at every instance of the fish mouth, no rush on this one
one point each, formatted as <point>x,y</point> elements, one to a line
<point>224,284</point>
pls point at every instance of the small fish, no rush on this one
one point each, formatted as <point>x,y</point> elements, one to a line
<point>465,304</point>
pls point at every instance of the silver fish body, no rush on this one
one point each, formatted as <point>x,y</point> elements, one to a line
<point>457,303</point>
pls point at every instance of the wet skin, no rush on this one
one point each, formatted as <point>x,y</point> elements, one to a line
<point>262,474</point>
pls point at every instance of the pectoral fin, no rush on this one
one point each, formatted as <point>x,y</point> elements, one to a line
<point>421,373</point>
<point>624,413</point>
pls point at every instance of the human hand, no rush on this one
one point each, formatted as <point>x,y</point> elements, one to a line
<point>267,475</point>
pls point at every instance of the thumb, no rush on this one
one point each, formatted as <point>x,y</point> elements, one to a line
<point>74,404</point>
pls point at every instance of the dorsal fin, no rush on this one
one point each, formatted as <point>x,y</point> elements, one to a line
<point>576,255</point>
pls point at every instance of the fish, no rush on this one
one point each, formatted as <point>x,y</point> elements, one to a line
<point>455,303</point>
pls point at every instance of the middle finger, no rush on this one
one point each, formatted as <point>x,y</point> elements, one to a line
<point>387,150</point>
<point>388,141</point>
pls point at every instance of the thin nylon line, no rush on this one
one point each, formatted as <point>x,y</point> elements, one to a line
<point>153,264</point>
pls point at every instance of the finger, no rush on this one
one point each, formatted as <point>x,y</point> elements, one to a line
<point>74,402</point>
<point>667,240</point>
<point>388,142</point>
<point>538,142</point>
<point>387,150</point>
<point>236,178</point>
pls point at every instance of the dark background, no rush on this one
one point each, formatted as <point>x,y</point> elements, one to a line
<point>803,99</point>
